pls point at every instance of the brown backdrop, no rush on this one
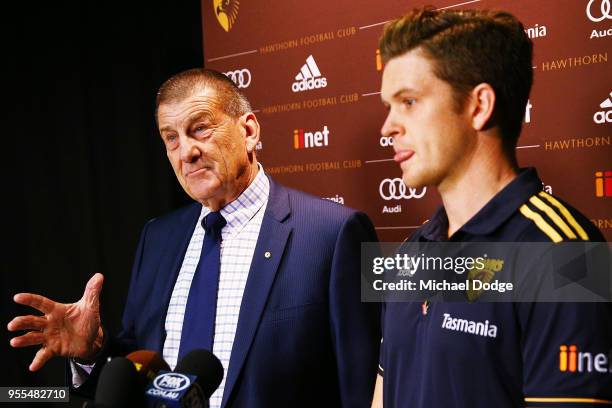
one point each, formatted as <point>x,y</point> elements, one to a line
<point>265,45</point>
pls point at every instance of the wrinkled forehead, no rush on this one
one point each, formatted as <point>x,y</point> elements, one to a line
<point>202,100</point>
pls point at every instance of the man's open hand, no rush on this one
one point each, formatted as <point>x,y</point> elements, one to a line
<point>64,329</point>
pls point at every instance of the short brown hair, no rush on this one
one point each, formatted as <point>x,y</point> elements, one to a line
<point>229,98</point>
<point>469,47</point>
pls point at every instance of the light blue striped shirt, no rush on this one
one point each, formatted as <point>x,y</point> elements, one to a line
<point>244,217</point>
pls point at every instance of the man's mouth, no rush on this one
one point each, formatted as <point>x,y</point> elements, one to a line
<point>196,172</point>
<point>403,155</point>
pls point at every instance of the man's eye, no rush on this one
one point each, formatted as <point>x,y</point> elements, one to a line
<point>409,101</point>
<point>202,132</point>
<point>200,129</point>
<point>171,141</point>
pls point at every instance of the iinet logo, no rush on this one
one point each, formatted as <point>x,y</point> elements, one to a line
<point>309,77</point>
<point>603,184</point>
<point>379,63</point>
<point>574,361</point>
<point>305,140</point>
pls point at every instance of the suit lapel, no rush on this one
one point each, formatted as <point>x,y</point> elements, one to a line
<point>268,254</point>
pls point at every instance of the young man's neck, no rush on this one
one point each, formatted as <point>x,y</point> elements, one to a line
<point>468,192</point>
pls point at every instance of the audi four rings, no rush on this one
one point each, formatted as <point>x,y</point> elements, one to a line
<point>241,77</point>
<point>604,9</point>
<point>395,189</point>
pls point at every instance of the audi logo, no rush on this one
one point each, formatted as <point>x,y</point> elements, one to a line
<point>395,189</point>
<point>604,8</point>
<point>241,77</point>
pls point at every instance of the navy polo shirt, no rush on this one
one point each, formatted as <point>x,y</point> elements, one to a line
<point>537,354</point>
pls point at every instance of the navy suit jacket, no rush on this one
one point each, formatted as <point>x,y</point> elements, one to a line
<point>303,338</point>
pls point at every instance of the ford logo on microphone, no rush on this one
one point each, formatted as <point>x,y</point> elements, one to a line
<point>171,382</point>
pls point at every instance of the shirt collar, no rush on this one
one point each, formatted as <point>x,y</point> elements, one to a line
<point>501,207</point>
<point>240,211</point>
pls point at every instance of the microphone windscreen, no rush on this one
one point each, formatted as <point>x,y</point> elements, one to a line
<point>119,385</point>
<point>148,364</point>
<point>205,366</point>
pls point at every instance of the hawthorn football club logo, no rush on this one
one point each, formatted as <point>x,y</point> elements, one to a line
<point>226,12</point>
<point>486,275</point>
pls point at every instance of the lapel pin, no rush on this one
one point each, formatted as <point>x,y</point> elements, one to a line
<point>267,254</point>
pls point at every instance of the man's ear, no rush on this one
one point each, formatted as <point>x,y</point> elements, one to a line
<point>249,123</point>
<point>482,104</point>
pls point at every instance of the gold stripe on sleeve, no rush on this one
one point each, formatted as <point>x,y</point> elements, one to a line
<point>541,224</point>
<point>568,216</point>
<point>569,400</point>
<point>542,206</point>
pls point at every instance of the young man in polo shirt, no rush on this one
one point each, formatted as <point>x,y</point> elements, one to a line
<point>455,85</point>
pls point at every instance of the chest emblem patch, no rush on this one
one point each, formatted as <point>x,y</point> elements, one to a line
<point>485,275</point>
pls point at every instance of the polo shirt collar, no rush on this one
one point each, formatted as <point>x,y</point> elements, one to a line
<point>490,217</point>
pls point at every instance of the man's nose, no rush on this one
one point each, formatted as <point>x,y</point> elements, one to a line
<point>189,150</point>
<point>390,127</point>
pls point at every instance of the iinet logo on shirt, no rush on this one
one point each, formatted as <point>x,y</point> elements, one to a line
<point>572,360</point>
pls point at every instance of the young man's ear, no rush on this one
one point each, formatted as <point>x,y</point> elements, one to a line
<point>249,123</point>
<point>482,104</point>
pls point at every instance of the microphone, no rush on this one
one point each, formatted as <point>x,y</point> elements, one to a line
<point>205,366</point>
<point>119,386</point>
<point>191,384</point>
<point>147,364</point>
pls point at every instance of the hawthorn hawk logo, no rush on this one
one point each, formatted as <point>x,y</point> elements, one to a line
<point>226,12</point>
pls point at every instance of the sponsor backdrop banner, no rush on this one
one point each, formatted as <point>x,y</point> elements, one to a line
<point>312,72</point>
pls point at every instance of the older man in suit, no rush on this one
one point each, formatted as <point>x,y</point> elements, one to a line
<point>264,276</point>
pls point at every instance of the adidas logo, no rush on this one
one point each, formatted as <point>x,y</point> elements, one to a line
<point>602,117</point>
<point>309,77</point>
<point>607,103</point>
